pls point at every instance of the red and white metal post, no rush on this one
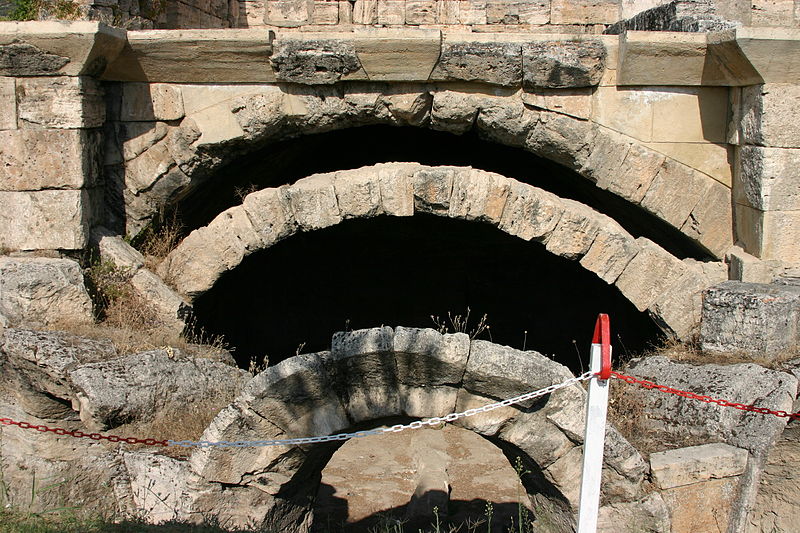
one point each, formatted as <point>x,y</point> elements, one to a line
<point>595,433</point>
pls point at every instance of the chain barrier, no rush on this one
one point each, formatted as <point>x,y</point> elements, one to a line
<point>431,422</point>
<point>81,434</point>
<point>703,398</point>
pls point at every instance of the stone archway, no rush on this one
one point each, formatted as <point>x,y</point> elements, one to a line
<point>648,276</point>
<point>376,374</point>
<point>235,120</point>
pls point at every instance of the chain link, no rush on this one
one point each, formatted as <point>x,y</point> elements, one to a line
<point>417,424</point>
<point>703,398</point>
<point>397,428</point>
<point>80,434</point>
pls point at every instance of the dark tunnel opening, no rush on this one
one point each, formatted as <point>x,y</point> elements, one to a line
<point>287,161</point>
<point>402,271</point>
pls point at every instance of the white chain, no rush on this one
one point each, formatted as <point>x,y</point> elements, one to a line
<point>435,421</point>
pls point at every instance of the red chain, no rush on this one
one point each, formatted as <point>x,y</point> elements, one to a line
<point>706,399</point>
<point>81,434</point>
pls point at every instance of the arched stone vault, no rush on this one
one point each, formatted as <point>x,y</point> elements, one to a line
<point>234,120</point>
<point>375,374</point>
<point>648,276</point>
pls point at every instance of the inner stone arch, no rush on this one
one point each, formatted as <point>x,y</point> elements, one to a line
<point>413,270</point>
<point>375,377</point>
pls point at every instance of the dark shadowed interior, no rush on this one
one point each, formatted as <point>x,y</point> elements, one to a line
<point>402,271</point>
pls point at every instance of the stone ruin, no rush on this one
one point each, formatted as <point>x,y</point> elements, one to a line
<point>632,155</point>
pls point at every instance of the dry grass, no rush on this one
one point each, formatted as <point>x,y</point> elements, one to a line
<point>178,421</point>
<point>156,242</point>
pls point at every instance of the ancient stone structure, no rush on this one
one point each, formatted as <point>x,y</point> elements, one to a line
<point>660,148</point>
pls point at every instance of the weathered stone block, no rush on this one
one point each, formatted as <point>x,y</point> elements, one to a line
<point>678,309</point>
<point>472,12</point>
<point>751,316</point>
<point>37,364</point>
<point>62,102</point>
<point>501,372</point>
<point>426,357</point>
<point>769,178</point>
<point>711,220</point>
<point>399,55</point>
<point>675,191</point>
<point>538,438</point>
<point>149,167</point>
<point>239,56</point>
<point>530,213</point>
<point>43,291</point>
<point>420,12</point>
<point>151,101</point>
<point>562,139</point>
<point>649,273</point>
<point>433,188</point>
<point>448,11</point>
<point>479,195</point>
<point>703,506</point>
<point>57,47</point>
<point>326,12</point>
<point>408,106</point>
<point>684,466</point>
<point>114,249</point>
<point>288,13</point>
<point>358,193</point>
<point>768,116</point>
<point>365,11</point>
<point>313,61</point>
<point>650,514</point>
<point>612,250</point>
<point>495,62</point>
<point>391,12</point>
<point>511,12</point>
<point>298,396</point>
<point>24,59</point>
<point>171,309</point>
<point>626,110</point>
<point>749,384</point>
<point>713,159</point>
<point>584,11</point>
<point>621,166</point>
<point>748,268</point>
<point>562,64</point>
<point>136,137</point>
<point>33,160</point>
<point>505,120</point>
<point>314,203</point>
<point>8,104</point>
<point>45,220</point>
<point>575,103</point>
<point>271,214</point>
<point>365,357</point>
<point>453,112</point>
<point>575,231</point>
<point>160,380</point>
<point>397,188</point>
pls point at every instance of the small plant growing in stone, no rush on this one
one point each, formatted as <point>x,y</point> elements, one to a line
<point>460,324</point>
